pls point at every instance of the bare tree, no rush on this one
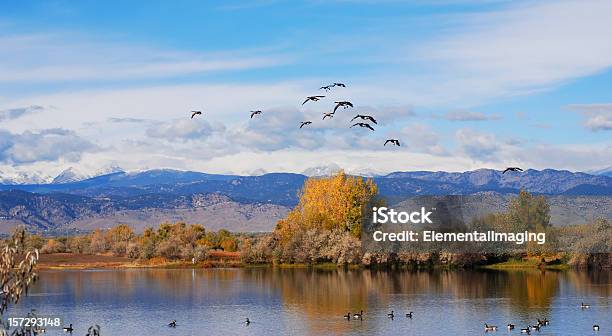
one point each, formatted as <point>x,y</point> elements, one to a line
<point>17,271</point>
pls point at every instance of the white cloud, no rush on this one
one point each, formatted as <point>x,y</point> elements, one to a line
<point>422,139</point>
<point>598,117</point>
<point>478,145</point>
<point>521,48</point>
<point>182,130</point>
<point>70,57</point>
<point>469,116</point>
<point>44,145</point>
<point>14,113</point>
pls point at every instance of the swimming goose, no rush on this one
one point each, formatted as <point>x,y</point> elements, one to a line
<point>584,306</point>
<point>69,328</point>
<point>93,330</point>
<point>595,327</point>
<point>510,326</point>
<point>358,316</point>
<point>409,315</point>
<point>490,328</point>
<point>172,324</point>
<point>525,331</point>
<point>390,315</point>
<point>535,327</point>
<point>543,322</point>
<point>347,316</point>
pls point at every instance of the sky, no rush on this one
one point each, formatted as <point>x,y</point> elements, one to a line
<point>462,84</point>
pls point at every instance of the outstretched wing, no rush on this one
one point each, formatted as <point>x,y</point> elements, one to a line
<point>371,119</point>
<point>355,117</point>
<point>357,124</point>
<point>305,101</point>
<point>387,142</point>
<point>368,126</point>
<point>506,170</point>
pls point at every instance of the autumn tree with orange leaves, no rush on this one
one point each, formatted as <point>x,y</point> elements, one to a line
<point>329,213</point>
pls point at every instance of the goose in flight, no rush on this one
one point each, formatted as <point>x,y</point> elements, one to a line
<point>365,117</point>
<point>344,104</point>
<point>514,169</point>
<point>393,142</point>
<point>328,115</point>
<point>254,113</point>
<point>313,98</point>
<point>339,84</point>
<point>172,324</point>
<point>305,123</point>
<point>363,125</point>
<point>326,87</point>
<point>195,113</point>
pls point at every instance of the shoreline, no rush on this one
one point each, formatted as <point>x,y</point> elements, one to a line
<point>72,261</point>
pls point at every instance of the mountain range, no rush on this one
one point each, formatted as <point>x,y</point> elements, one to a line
<point>252,203</point>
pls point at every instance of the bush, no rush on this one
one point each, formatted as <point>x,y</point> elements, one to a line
<point>133,250</point>
<point>98,242</point>
<point>169,249</point>
<point>53,246</point>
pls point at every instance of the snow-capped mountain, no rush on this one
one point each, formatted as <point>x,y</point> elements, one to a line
<point>326,170</point>
<point>604,171</point>
<point>75,175</point>
<point>69,175</point>
<point>21,177</point>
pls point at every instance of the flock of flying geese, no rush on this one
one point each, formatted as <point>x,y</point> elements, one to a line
<point>362,120</point>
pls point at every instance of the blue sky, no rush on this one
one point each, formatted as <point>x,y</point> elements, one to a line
<point>462,84</point>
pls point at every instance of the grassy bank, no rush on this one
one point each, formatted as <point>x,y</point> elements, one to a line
<point>533,262</point>
<point>68,261</point>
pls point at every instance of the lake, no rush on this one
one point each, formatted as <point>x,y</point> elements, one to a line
<point>312,302</point>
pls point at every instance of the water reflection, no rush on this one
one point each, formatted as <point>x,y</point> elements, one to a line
<point>304,301</point>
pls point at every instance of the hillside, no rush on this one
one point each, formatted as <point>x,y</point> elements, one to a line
<point>255,203</point>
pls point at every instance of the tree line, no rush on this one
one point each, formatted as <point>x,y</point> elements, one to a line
<point>170,240</point>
